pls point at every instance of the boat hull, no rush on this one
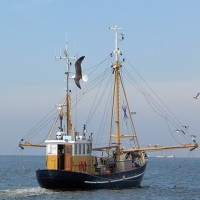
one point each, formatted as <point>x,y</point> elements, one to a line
<point>67,180</point>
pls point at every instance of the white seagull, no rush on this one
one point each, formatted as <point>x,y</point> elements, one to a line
<point>185,127</point>
<point>179,131</point>
<point>197,96</point>
<point>193,138</point>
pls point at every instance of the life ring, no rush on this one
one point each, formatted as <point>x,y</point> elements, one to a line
<point>81,166</point>
<point>84,166</point>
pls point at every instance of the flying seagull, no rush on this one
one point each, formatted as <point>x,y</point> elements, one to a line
<point>186,127</point>
<point>197,96</point>
<point>133,113</point>
<point>78,69</point>
<point>193,138</point>
<point>179,131</point>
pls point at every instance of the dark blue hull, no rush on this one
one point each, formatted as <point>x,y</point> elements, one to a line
<point>67,180</point>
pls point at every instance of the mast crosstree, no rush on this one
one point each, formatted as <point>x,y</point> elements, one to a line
<point>118,82</point>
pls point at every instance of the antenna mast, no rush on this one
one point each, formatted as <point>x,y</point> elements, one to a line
<point>68,64</point>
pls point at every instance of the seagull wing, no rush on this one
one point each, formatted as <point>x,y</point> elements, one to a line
<point>182,131</point>
<point>177,130</point>
<point>78,69</point>
<point>77,82</point>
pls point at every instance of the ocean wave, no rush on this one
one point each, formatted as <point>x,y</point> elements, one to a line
<point>25,192</point>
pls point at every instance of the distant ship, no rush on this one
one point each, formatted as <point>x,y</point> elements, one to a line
<point>170,156</point>
<point>160,156</point>
<point>165,156</point>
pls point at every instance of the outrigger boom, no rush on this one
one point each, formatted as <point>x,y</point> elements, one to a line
<point>155,148</point>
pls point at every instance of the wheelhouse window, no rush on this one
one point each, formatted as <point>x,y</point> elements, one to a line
<point>75,151</point>
<point>87,148</point>
<point>83,148</point>
<point>79,149</point>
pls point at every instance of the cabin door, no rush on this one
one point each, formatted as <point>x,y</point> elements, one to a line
<point>68,157</point>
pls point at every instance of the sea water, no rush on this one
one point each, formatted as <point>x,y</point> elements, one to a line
<point>165,178</point>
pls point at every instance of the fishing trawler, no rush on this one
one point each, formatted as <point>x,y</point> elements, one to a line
<point>74,161</point>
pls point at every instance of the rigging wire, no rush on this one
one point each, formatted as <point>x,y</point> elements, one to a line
<point>38,125</point>
<point>104,117</point>
<point>80,95</point>
<point>100,84</point>
<point>145,93</point>
<point>130,144</point>
<point>90,86</point>
<point>97,65</point>
<point>149,99</point>
<point>98,48</point>
<point>153,92</point>
<point>46,135</point>
<point>43,125</point>
<point>150,102</point>
<point>172,134</point>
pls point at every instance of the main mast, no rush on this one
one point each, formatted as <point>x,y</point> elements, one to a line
<point>116,68</point>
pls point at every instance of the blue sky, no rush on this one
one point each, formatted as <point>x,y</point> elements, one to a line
<point>161,38</point>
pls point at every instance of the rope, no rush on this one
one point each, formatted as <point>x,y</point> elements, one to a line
<point>24,168</point>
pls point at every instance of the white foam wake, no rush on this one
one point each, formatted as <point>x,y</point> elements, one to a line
<point>25,192</point>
